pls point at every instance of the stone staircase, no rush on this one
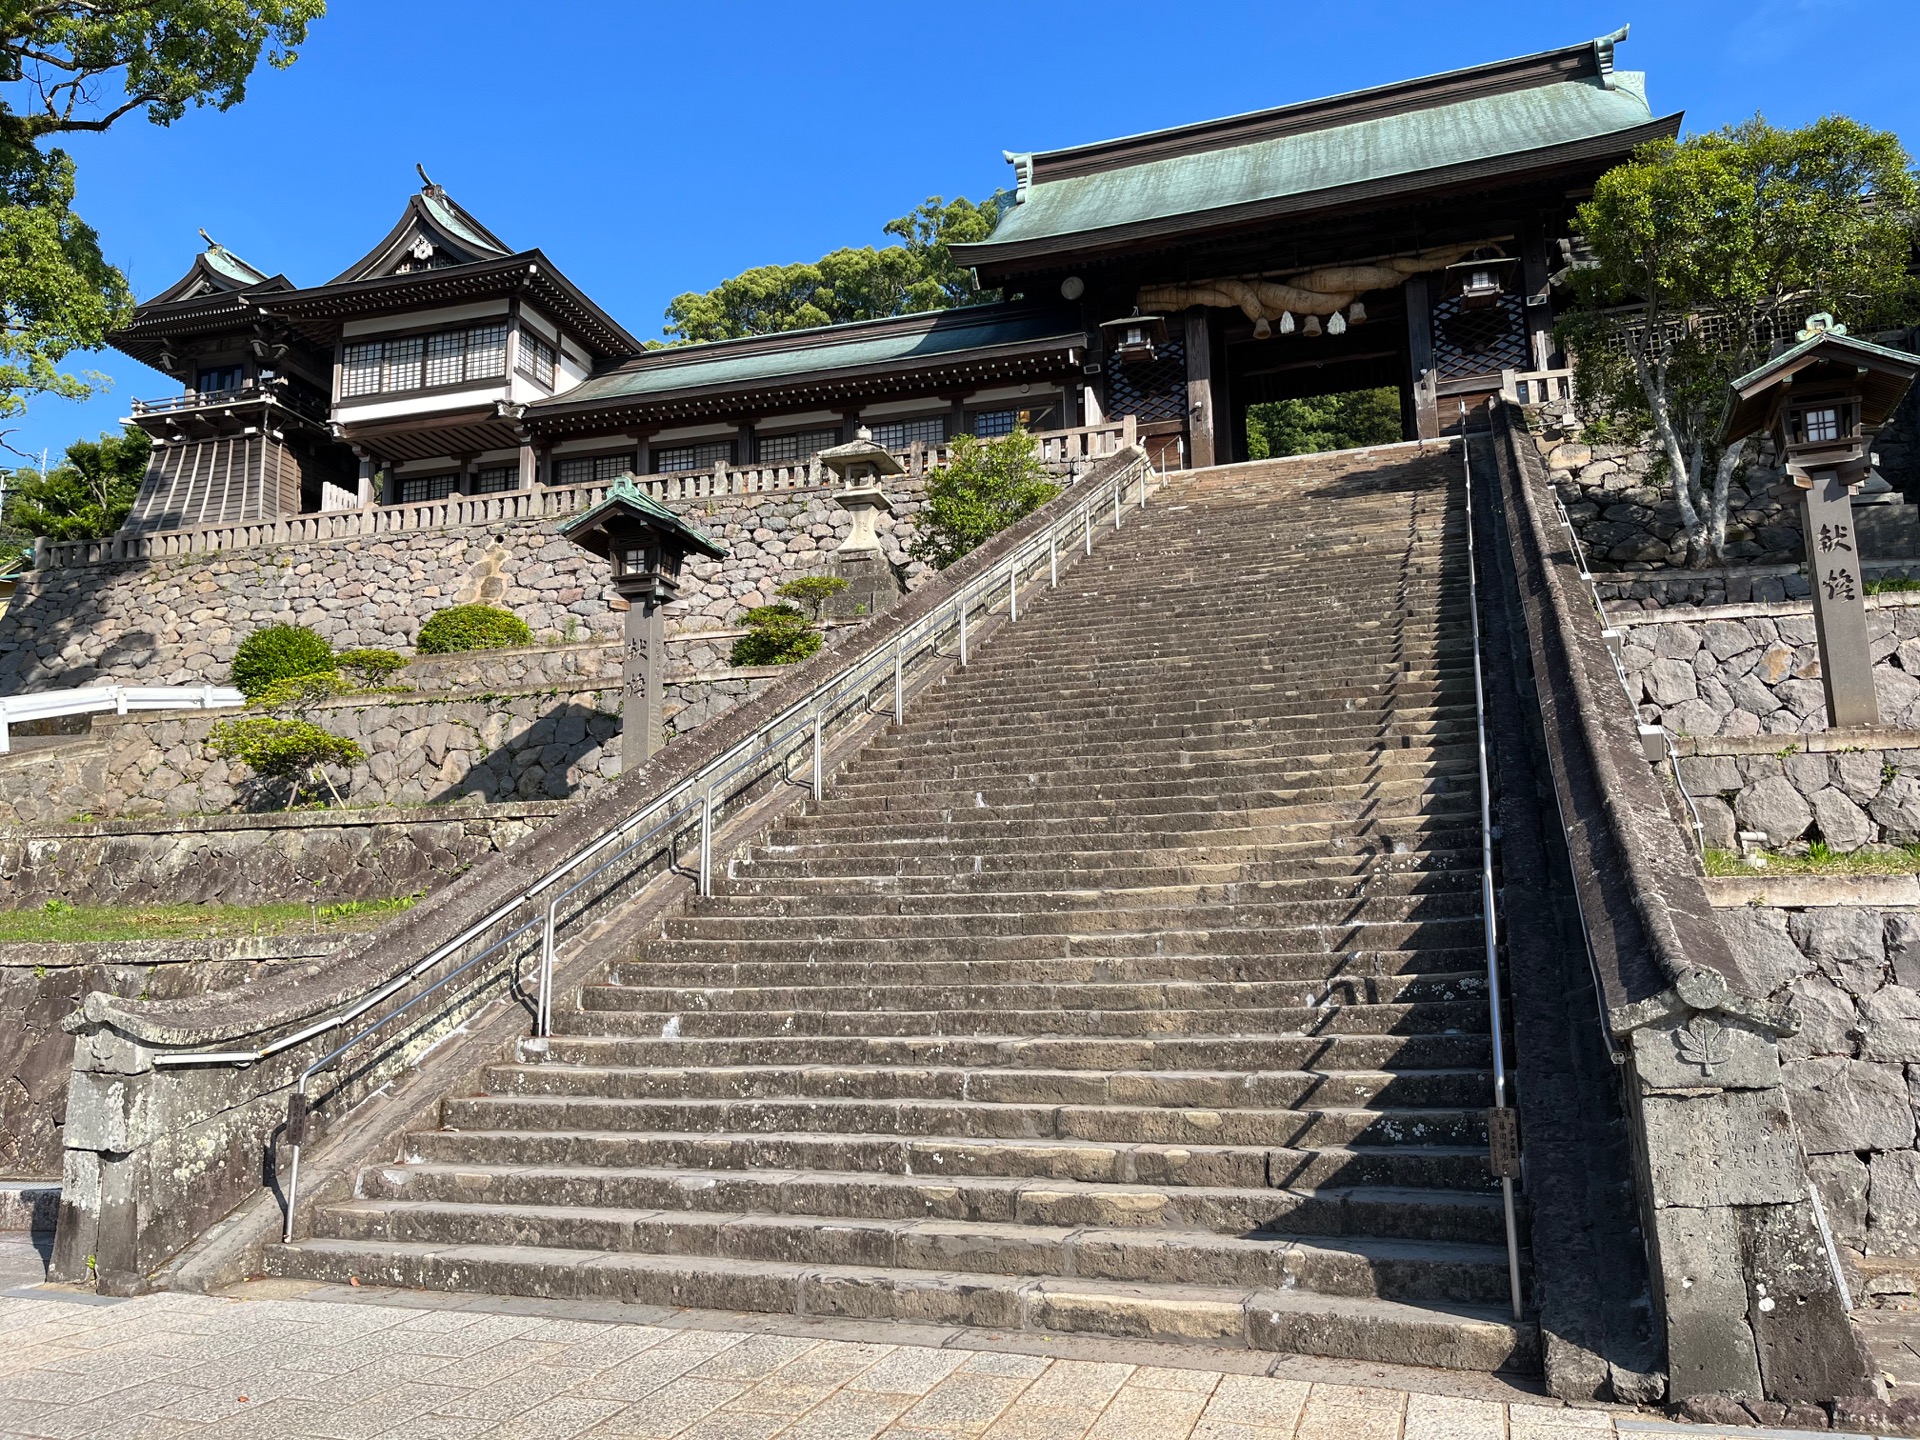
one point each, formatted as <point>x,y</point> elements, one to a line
<point>1133,987</point>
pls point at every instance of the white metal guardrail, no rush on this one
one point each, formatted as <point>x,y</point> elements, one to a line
<point>120,699</point>
<point>789,749</point>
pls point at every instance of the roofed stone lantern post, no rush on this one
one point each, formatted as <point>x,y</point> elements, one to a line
<point>861,465</point>
<point>646,543</point>
<point>1822,400</point>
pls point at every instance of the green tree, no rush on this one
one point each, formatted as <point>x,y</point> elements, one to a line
<point>86,496</point>
<point>812,591</point>
<point>278,652</point>
<point>297,751</point>
<point>854,283</point>
<point>1703,253</point>
<point>987,486</point>
<point>75,67</point>
<point>1323,422</point>
<point>776,635</point>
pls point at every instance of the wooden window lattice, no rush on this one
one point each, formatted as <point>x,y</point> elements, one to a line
<point>1479,340</point>
<point>1149,390</point>
<point>899,434</point>
<point>593,469</point>
<point>691,457</point>
<point>794,446</point>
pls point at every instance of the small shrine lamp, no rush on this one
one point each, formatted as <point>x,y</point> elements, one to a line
<point>646,544</point>
<point>861,466</point>
<point>1480,280</point>
<point>1822,399</point>
<point>1136,338</point>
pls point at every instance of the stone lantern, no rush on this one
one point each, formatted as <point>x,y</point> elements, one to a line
<point>646,543</point>
<point>861,466</point>
<point>1821,400</point>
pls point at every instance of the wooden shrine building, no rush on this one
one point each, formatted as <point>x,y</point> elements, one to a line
<point>1410,235</point>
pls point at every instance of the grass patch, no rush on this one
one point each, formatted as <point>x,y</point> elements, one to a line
<point>1892,585</point>
<point>1818,861</point>
<point>59,921</point>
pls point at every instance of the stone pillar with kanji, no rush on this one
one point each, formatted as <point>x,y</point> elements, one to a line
<point>1839,601</point>
<point>646,545</point>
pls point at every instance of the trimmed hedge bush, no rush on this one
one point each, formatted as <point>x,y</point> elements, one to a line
<point>471,627</point>
<point>369,666</point>
<point>777,635</point>
<point>278,652</point>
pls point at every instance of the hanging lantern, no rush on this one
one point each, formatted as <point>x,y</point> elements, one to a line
<point>1480,280</point>
<point>1312,327</point>
<point>1286,322</point>
<point>1136,337</point>
<point>1335,324</point>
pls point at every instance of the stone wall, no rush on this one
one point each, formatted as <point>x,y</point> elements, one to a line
<point>318,856</point>
<point>1755,669</point>
<point>41,984</point>
<point>177,621</point>
<point>1852,973</point>
<point>1850,789</point>
<point>536,744</point>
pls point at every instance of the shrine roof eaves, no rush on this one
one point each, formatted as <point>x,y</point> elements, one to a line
<point>895,344</point>
<point>1394,137</point>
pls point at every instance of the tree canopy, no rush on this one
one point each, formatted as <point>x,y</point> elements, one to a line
<point>1705,251</point>
<point>76,67</point>
<point>85,497</point>
<point>1323,422</point>
<point>853,283</point>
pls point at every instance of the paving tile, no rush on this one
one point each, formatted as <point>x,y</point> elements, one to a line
<point>780,1396</point>
<point>670,1409</point>
<point>438,1427</point>
<point>1075,1384</point>
<point>1234,1430</point>
<point>991,1362</point>
<point>1444,1417</point>
<point>755,1357</point>
<point>1348,1412</point>
<point>1149,1413</point>
<point>1556,1422</point>
<point>849,1415</point>
<point>1198,1382</point>
<point>734,1425</point>
<point>963,1404</point>
<point>910,1372</point>
<point>1257,1400</point>
<point>561,1418</point>
<point>1043,1422</point>
<point>513,1394</point>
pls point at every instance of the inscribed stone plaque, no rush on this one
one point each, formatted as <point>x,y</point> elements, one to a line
<point>1839,604</point>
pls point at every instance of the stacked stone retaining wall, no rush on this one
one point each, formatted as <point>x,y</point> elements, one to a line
<point>41,984</point>
<point>1755,669</point>
<point>319,856</point>
<point>533,744</point>
<point>1852,973</point>
<point>177,621</point>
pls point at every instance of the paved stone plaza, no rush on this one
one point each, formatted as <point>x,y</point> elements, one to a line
<point>279,1361</point>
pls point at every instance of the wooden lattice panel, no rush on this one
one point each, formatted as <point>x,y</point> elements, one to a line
<point>1149,390</point>
<point>1480,340</point>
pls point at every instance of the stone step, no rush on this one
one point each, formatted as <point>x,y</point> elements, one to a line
<point>1369,1267</point>
<point>1459,1336</point>
<point>1340,949</point>
<point>973,1120</point>
<point>1204,865</point>
<point>1104,995</point>
<point>710,965</point>
<point>1454,1217</point>
<point>1169,1052</point>
<point>978,892</point>
<point>1278,1089</point>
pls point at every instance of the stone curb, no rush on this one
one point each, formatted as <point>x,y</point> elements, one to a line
<point>71,954</point>
<point>1807,892</point>
<point>330,819</point>
<point>1800,742</point>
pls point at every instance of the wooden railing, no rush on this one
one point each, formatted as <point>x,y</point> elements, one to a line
<point>1536,387</point>
<point>1065,452</point>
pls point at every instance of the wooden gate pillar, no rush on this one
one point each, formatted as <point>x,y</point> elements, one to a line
<point>1200,408</point>
<point>1426,394</point>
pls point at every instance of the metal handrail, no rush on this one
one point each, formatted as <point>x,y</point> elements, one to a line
<point>1489,923</point>
<point>806,724</point>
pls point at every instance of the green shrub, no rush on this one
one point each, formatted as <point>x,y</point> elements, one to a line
<point>471,627</point>
<point>297,751</point>
<point>276,652</point>
<point>776,635</point>
<point>370,667</point>
<point>812,591</point>
<point>989,485</point>
<point>300,693</point>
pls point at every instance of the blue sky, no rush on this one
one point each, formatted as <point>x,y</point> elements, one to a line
<point>651,149</point>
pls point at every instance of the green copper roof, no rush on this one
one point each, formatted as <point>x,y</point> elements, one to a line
<point>1866,349</point>
<point>1478,129</point>
<point>219,258</point>
<point>456,224</point>
<point>624,494</point>
<point>823,351</point>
